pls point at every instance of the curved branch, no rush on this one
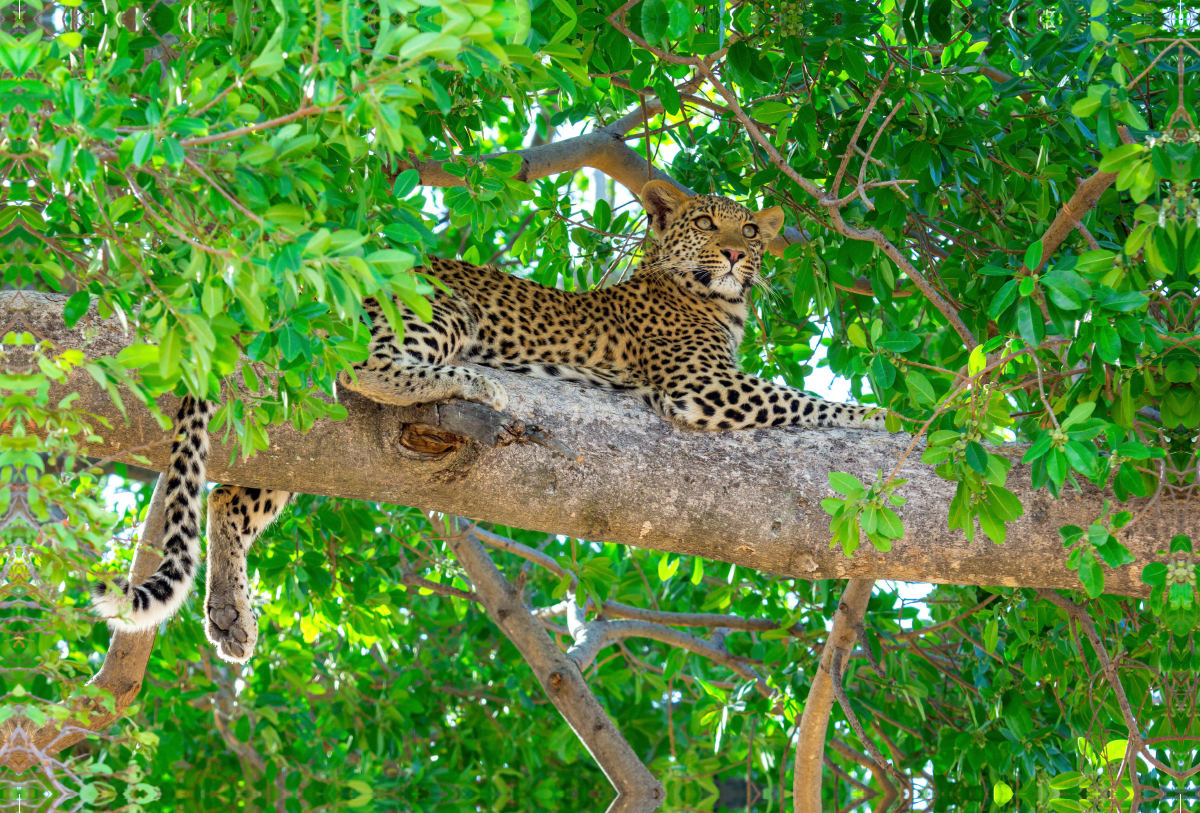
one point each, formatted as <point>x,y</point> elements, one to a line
<point>814,723</point>
<point>593,636</point>
<point>1136,742</point>
<point>22,743</point>
<point>637,789</point>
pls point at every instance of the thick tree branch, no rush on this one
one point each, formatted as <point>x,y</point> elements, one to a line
<point>637,789</point>
<point>749,498</point>
<point>814,723</point>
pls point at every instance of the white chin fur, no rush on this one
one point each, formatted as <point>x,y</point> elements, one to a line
<point>726,285</point>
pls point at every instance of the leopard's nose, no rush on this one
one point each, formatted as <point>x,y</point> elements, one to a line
<point>733,255</point>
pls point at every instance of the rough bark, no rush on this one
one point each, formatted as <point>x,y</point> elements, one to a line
<point>637,789</point>
<point>603,149</point>
<point>22,743</point>
<point>750,498</point>
<point>814,722</point>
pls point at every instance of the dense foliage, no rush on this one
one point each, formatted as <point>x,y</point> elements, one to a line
<point>230,179</point>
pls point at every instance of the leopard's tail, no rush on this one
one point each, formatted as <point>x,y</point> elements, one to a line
<point>143,606</point>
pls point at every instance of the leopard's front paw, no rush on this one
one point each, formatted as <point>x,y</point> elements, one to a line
<point>489,393</point>
<point>230,626</point>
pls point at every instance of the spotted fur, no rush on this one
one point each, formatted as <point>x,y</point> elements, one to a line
<point>146,605</point>
<point>236,517</point>
<point>670,334</point>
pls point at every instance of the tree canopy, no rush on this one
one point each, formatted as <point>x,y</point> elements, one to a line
<point>993,231</point>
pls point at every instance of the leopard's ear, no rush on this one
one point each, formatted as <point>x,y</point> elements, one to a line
<point>770,222</point>
<point>662,202</point>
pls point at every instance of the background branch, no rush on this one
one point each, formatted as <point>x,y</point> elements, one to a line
<point>814,723</point>
<point>22,743</point>
<point>637,789</point>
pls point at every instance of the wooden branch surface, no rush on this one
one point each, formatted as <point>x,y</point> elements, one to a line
<point>750,498</point>
<point>814,722</point>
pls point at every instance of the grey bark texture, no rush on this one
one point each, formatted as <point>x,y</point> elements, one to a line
<point>616,472</point>
<point>603,149</point>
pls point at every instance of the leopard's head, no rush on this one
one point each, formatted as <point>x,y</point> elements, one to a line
<point>709,245</point>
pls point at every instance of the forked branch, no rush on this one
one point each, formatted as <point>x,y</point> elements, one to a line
<point>637,789</point>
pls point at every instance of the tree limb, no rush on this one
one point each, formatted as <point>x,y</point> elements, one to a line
<point>604,149</point>
<point>810,748</point>
<point>880,776</point>
<point>749,498</point>
<point>637,789</point>
<point>592,636</point>
<point>1136,742</point>
<point>22,743</point>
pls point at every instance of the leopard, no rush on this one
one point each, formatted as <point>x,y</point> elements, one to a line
<point>669,335</point>
<point>237,516</point>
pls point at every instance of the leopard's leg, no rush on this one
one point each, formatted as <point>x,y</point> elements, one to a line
<point>730,399</point>
<point>414,371</point>
<point>236,517</point>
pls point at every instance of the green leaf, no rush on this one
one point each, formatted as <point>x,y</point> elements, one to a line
<point>291,343</point>
<point>76,307</point>
<point>856,335</point>
<point>655,20</point>
<point>977,361</point>
<point>1155,574</point>
<point>1114,554</point>
<point>1002,793</point>
<point>667,567</point>
<point>172,151</point>
<point>976,457</point>
<point>137,356</point>
<point>846,483</point>
<point>1080,413</point>
<point>1085,107</point>
<point>1091,574</point>
<point>1123,156</point>
<point>898,341</point>
<point>405,183</point>
<point>267,64</point>
<point>1003,299</point>
<point>1033,256</point>
<point>680,20</point>
<point>991,635</point>
<point>1030,323</point>
<point>1108,343</point>
<point>1123,302</point>
<point>919,388</point>
<point>1067,780</point>
<point>1082,457</point>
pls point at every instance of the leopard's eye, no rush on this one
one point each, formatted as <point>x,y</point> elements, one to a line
<point>704,223</point>
<point>750,230</point>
